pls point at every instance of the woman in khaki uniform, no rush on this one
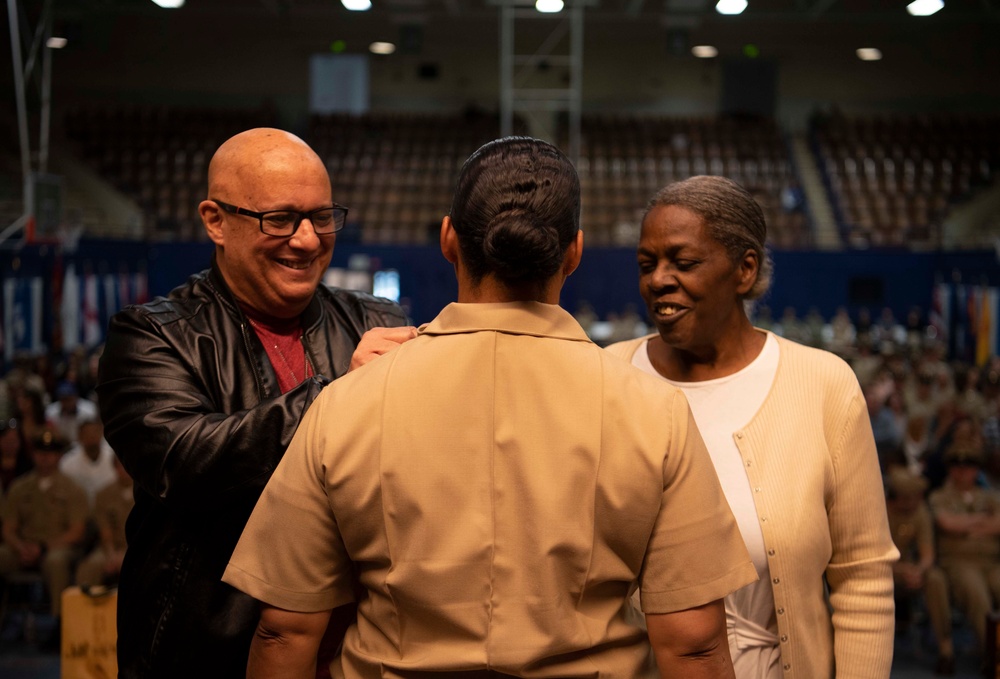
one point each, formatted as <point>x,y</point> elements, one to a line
<point>499,485</point>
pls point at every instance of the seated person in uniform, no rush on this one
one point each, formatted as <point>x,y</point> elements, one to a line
<point>912,529</point>
<point>967,517</point>
<point>43,519</point>
<point>111,508</point>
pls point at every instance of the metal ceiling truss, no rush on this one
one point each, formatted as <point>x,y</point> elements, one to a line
<point>24,73</point>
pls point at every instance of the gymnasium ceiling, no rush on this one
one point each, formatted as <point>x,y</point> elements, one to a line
<point>794,25</point>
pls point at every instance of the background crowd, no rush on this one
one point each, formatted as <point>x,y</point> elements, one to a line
<point>936,422</point>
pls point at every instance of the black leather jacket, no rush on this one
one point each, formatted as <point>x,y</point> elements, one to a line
<point>192,407</point>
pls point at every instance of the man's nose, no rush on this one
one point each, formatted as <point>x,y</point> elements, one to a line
<point>305,236</point>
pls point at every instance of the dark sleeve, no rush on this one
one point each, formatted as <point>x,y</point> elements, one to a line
<point>380,312</point>
<point>158,404</point>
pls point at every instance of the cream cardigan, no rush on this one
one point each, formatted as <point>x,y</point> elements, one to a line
<point>810,457</point>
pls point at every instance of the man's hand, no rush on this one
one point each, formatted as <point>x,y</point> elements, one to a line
<point>378,341</point>
<point>911,575</point>
<point>29,553</point>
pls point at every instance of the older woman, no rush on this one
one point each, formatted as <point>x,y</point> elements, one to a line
<point>788,431</point>
<point>499,485</point>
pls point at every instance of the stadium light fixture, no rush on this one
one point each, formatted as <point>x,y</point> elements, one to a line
<point>381,48</point>
<point>731,6</point>
<point>549,6</point>
<point>869,54</point>
<point>357,5</point>
<point>924,8</point>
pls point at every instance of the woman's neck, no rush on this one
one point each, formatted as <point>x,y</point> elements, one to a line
<point>711,361</point>
<point>490,290</point>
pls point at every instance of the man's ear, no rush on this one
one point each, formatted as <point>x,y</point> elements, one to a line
<point>449,240</point>
<point>211,217</point>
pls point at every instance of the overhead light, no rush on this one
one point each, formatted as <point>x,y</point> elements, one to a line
<point>169,4</point>
<point>357,5</point>
<point>869,53</point>
<point>924,8</point>
<point>704,51</point>
<point>56,43</point>
<point>731,6</point>
<point>549,6</point>
<point>381,48</point>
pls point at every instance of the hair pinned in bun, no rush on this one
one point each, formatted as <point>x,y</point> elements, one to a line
<point>517,247</point>
<point>516,210</point>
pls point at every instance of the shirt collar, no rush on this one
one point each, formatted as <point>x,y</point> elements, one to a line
<point>515,318</point>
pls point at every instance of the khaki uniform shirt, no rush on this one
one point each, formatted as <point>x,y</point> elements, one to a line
<point>111,508</point>
<point>500,484</point>
<point>976,501</point>
<point>911,531</point>
<point>42,515</point>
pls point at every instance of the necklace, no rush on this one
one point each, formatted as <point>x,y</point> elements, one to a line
<point>288,366</point>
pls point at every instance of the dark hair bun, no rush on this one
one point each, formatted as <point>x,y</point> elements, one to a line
<point>519,246</point>
<point>516,210</point>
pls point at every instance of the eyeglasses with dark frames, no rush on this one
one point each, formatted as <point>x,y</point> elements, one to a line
<point>284,223</point>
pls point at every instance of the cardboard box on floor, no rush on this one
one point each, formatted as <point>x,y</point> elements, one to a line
<point>89,635</point>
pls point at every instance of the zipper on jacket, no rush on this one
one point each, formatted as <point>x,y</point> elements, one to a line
<point>253,361</point>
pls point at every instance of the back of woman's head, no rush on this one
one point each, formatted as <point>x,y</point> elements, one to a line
<point>731,215</point>
<point>516,210</point>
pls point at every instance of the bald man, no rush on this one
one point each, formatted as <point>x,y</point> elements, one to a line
<point>201,392</point>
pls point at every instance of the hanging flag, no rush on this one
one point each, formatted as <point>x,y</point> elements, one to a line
<point>69,309</point>
<point>972,322</point>
<point>956,320</point>
<point>986,326</point>
<point>938,316</point>
<point>23,316</point>
<point>111,302</point>
<point>124,288</point>
<point>140,294</point>
<point>91,318</point>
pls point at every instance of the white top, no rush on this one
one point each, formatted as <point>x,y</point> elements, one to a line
<point>91,475</point>
<point>720,408</point>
